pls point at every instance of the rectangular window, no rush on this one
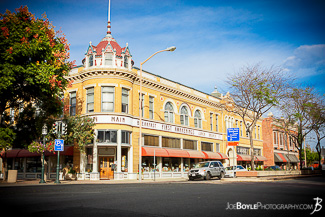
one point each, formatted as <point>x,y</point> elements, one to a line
<point>206,146</point>
<point>151,106</point>
<point>108,59</point>
<point>259,132</point>
<point>171,142</point>
<point>141,103</point>
<point>90,99</point>
<point>107,136</point>
<point>108,99</point>
<point>241,128</point>
<point>125,137</point>
<point>242,150</point>
<point>73,103</point>
<point>211,121</point>
<point>217,147</point>
<point>151,140</point>
<point>236,123</point>
<point>125,100</point>
<point>217,118</point>
<point>189,144</point>
<point>275,138</point>
<point>257,152</point>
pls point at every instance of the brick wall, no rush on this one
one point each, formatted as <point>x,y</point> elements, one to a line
<point>267,132</point>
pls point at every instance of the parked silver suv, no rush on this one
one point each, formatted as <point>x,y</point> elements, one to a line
<point>207,170</point>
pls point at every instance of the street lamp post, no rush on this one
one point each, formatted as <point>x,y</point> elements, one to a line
<point>140,115</point>
<point>44,132</point>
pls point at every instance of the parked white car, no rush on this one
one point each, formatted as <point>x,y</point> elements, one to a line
<point>231,171</point>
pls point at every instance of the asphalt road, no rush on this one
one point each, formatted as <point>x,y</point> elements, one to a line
<point>198,198</point>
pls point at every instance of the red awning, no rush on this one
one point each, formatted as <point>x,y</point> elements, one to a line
<point>243,157</point>
<point>196,154</point>
<point>212,155</point>
<point>159,152</point>
<point>282,157</point>
<point>177,153</point>
<point>261,158</point>
<point>223,156</point>
<point>68,151</point>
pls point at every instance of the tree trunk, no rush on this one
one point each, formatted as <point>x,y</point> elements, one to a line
<point>252,150</point>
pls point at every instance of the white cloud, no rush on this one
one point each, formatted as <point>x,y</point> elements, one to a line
<point>307,60</point>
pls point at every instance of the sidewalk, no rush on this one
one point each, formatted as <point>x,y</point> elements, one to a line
<point>151,181</point>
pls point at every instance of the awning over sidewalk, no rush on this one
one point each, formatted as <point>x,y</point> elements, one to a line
<point>214,155</point>
<point>169,152</point>
<point>243,157</point>
<point>280,158</point>
<point>261,158</point>
<point>14,153</point>
<point>292,158</point>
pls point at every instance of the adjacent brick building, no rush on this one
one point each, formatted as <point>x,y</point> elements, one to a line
<point>278,146</point>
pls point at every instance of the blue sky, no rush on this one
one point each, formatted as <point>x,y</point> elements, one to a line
<point>213,38</point>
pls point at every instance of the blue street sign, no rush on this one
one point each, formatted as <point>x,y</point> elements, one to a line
<point>59,145</point>
<point>233,134</point>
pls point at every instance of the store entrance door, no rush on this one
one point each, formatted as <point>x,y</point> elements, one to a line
<point>105,167</point>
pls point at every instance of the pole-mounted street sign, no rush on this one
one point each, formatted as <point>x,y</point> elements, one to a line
<point>233,134</point>
<point>59,145</point>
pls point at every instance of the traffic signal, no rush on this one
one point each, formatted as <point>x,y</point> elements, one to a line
<point>64,128</point>
<point>55,128</point>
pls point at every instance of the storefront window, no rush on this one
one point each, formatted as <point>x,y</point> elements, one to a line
<point>166,167</point>
<point>125,137</point>
<point>89,155</point>
<point>148,164</point>
<point>151,140</point>
<point>242,150</point>
<point>33,164</point>
<point>19,164</point>
<point>206,146</point>
<point>189,144</point>
<point>188,163</point>
<point>124,166</point>
<point>171,142</point>
<point>107,136</point>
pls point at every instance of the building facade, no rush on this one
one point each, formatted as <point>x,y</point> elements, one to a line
<point>180,125</point>
<point>279,147</point>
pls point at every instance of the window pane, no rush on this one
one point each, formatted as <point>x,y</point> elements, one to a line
<point>100,136</point>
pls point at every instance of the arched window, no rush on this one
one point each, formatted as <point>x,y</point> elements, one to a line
<point>169,112</point>
<point>197,119</point>
<point>126,62</point>
<point>91,61</point>
<point>184,116</point>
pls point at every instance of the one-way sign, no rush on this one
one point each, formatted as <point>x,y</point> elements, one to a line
<point>59,145</point>
<point>233,134</point>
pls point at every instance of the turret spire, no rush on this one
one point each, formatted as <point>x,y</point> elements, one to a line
<point>109,18</point>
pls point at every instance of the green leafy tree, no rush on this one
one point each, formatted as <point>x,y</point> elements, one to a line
<point>33,63</point>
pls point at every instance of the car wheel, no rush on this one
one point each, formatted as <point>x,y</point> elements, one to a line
<point>221,175</point>
<point>190,179</point>
<point>208,176</point>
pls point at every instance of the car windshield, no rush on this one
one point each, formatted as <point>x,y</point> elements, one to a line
<point>203,164</point>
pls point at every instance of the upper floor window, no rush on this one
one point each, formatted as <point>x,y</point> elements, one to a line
<point>275,138</point>
<point>211,121</point>
<point>241,128</point>
<point>247,130</point>
<point>91,60</point>
<point>217,120</point>
<point>107,99</point>
<point>169,112</point>
<point>107,136</point>
<point>90,99</point>
<point>125,100</point>
<point>108,59</point>
<point>259,132</point>
<point>171,142</point>
<point>184,116</point>
<point>141,103</point>
<point>126,62</point>
<point>151,140</point>
<point>151,106</point>
<point>73,103</point>
<point>189,144</point>
<point>197,119</point>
